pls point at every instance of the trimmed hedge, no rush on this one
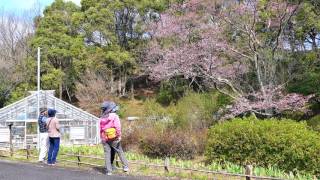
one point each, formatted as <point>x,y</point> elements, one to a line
<point>284,143</point>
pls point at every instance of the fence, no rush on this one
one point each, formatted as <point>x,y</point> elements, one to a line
<point>165,167</point>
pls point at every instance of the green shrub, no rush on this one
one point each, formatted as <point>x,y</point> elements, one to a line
<point>192,111</point>
<point>307,72</point>
<point>179,130</point>
<point>294,115</point>
<point>306,83</point>
<point>171,91</point>
<point>155,111</point>
<point>286,144</point>
<point>314,123</point>
<point>195,110</point>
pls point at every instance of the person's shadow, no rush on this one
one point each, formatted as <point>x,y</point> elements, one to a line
<point>100,169</point>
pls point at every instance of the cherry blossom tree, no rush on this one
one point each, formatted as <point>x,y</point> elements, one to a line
<point>195,48</point>
<point>236,48</point>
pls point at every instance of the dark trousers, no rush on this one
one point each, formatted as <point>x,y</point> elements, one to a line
<point>113,154</point>
<point>53,149</point>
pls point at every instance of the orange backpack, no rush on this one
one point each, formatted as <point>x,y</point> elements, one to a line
<point>110,133</point>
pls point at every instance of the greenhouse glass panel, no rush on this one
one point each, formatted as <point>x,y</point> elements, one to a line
<point>23,115</point>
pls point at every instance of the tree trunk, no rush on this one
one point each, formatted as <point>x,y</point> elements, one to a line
<point>132,89</point>
<point>313,36</point>
<point>60,90</point>
<point>124,84</point>
<point>61,83</point>
<point>119,85</point>
<point>68,93</point>
<point>314,43</point>
<point>111,82</point>
<point>259,75</point>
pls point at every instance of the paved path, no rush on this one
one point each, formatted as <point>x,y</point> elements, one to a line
<point>27,171</point>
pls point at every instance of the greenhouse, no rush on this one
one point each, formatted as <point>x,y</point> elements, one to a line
<point>77,126</point>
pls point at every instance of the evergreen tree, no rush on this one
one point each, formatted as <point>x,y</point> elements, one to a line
<point>62,47</point>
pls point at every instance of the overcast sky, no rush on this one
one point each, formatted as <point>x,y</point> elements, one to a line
<point>15,6</point>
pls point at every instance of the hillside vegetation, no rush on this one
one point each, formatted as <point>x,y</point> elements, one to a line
<point>195,72</point>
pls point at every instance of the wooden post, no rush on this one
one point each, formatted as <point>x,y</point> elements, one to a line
<point>78,157</point>
<point>166,164</point>
<point>10,140</point>
<point>28,151</point>
<point>249,172</point>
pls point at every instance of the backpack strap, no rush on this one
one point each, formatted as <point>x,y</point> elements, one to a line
<point>49,123</point>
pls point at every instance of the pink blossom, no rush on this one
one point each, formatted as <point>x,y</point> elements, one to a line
<point>193,44</point>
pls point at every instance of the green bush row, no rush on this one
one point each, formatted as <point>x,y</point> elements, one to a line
<point>194,164</point>
<point>284,143</point>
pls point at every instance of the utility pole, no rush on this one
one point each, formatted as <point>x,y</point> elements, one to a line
<point>38,97</point>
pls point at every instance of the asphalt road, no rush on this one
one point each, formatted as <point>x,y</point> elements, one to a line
<point>27,171</point>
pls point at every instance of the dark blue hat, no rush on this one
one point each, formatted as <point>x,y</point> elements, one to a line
<point>51,112</point>
<point>108,106</point>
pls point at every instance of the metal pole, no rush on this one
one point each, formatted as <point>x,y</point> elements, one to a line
<point>10,140</point>
<point>38,69</point>
<point>38,96</point>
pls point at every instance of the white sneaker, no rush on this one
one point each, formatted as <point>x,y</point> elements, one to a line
<point>125,169</point>
<point>109,174</point>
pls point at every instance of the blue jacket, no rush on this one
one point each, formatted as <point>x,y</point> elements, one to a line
<point>42,124</point>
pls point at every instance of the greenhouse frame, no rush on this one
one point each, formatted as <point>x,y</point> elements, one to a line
<point>77,126</point>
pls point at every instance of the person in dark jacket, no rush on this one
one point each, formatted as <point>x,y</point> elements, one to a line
<point>43,139</point>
